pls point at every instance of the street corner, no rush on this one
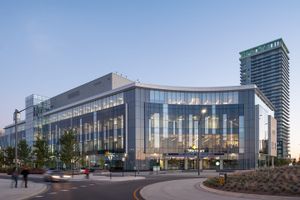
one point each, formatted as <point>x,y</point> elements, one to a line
<point>9,192</point>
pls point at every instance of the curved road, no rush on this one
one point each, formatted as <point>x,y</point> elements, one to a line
<point>190,189</point>
<point>90,190</point>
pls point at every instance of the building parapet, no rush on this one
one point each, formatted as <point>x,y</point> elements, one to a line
<point>264,47</point>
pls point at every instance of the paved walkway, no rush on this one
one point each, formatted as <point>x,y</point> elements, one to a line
<point>9,193</point>
<point>187,189</point>
<point>203,174</point>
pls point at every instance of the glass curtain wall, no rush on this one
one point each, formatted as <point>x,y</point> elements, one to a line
<point>97,132</point>
<point>175,128</point>
<point>174,121</point>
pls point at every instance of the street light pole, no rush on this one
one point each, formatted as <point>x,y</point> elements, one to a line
<point>203,111</point>
<point>16,115</point>
<point>16,138</point>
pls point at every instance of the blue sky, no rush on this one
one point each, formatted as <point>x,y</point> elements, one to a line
<point>47,47</point>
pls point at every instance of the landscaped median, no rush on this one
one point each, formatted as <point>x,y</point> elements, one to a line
<point>277,181</point>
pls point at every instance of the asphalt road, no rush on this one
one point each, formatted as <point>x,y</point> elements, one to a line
<point>89,190</point>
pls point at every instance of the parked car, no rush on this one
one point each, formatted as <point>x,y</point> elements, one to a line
<point>56,176</point>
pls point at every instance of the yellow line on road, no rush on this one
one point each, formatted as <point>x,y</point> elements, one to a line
<point>134,194</point>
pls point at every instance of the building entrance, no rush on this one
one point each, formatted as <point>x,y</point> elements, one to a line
<point>179,163</point>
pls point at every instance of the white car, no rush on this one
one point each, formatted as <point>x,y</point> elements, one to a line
<point>56,176</point>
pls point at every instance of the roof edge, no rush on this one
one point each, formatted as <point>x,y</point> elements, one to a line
<point>196,89</point>
<point>263,48</point>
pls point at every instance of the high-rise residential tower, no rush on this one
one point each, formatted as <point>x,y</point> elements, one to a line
<point>267,66</point>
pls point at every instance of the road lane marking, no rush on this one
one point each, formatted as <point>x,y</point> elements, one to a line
<point>92,184</point>
<point>64,190</point>
<point>52,193</point>
<point>134,194</point>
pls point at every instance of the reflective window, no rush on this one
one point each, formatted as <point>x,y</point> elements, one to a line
<point>99,104</point>
<point>175,128</point>
<point>194,98</point>
<point>241,135</point>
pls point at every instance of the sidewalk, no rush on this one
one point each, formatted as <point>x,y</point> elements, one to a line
<point>192,174</point>
<point>187,189</point>
<point>203,173</point>
<point>106,178</point>
<point>8,193</point>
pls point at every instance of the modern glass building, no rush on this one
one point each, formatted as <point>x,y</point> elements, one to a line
<point>137,126</point>
<point>8,137</point>
<point>267,66</point>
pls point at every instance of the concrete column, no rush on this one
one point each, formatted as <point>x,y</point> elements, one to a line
<point>266,160</point>
<point>166,164</point>
<point>185,163</point>
<point>221,164</point>
<point>201,164</point>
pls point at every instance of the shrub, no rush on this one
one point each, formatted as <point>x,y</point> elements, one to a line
<point>212,182</point>
<point>281,180</point>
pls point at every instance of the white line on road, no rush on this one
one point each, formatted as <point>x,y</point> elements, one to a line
<point>52,193</point>
<point>64,190</point>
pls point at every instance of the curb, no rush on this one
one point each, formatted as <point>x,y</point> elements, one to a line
<point>243,195</point>
<point>137,195</point>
